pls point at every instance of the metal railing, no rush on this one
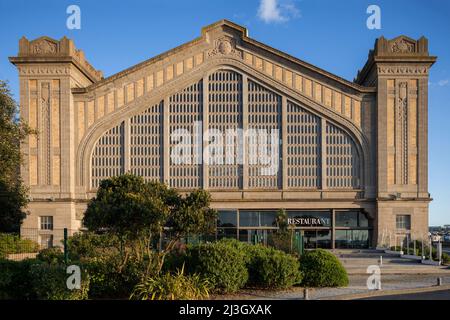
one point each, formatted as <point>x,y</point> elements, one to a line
<point>28,243</point>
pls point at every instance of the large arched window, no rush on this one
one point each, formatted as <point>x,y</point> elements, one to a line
<point>319,153</point>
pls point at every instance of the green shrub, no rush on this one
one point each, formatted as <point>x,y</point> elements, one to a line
<point>49,283</point>
<point>110,278</point>
<point>271,268</point>
<point>51,255</point>
<point>111,275</point>
<point>445,258</point>
<point>168,286</point>
<point>174,261</point>
<point>321,268</point>
<point>221,263</point>
<point>16,280</point>
<point>11,243</point>
<point>282,241</point>
<point>88,245</point>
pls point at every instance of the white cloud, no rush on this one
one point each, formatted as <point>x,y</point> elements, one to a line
<point>277,11</point>
<point>443,83</point>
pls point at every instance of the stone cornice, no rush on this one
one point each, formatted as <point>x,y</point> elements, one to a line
<point>401,49</point>
<point>27,66</point>
<point>240,33</point>
<point>46,50</point>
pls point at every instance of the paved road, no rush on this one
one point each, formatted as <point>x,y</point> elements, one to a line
<point>434,295</point>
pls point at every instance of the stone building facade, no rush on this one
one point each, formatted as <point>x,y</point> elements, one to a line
<point>352,165</point>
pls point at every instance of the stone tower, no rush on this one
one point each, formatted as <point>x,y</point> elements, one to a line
<point>48,71</point>
<point>399,69</point>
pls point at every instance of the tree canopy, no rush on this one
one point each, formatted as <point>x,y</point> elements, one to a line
<point>128,206</point>
<point>13,194</point>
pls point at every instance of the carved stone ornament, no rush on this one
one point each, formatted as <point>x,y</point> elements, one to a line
<point>402,70</point>
<point>79,213</point>
<point>44,47</point>
<point>43,70</point>
<point>403,94</point>
<point>225,46</point>
<point>402,46</point>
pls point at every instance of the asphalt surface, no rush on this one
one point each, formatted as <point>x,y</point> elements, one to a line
<point>434,295</point>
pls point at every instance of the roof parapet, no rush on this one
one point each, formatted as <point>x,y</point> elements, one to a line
<point>45,48</point>
<point>399,49</point>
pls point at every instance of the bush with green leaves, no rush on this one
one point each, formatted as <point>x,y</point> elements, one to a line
<point>113,268</point>
<point>268,267</point>
<point>221,263</point>
<point>16,280</point>
<point>320,268</point>
<point>138,212</point>
<point>86,245</point>
<point>52,255</point>
<point>110,277</point>
<point>172,286</point>
<point>12,243</point>
<point>49,282</point>
<point>271,268</point>
<point>445,258</point>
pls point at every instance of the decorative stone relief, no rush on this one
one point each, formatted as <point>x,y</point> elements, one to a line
<point>44,47</point>
<point>45,131</point>
<point>43,70</point>
<point>401,134</point>
<point>402,46</point>
<point>225,46</point>
<point>79,214</point>
<point>398,70</point>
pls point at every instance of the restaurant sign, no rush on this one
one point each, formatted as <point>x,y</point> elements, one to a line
<point>309,221</point>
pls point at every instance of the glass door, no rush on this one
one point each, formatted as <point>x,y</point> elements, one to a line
<point>310,239</point>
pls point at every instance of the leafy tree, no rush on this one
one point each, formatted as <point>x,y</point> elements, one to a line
<point>127,206</point>
<point>139,212</point>
<point>13,194</point>
<point>283,237</point>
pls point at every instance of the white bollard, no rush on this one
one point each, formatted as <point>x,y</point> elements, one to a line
<point>306,294</point>
<point>379,285</point>
<point>431,250</point>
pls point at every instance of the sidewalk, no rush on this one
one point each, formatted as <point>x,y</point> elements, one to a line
<point>356,262</point>
<point>398,276</point>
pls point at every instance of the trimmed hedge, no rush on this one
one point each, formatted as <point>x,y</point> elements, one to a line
<point>51,255</point>
<point>321,268</point>
<point>16,280</point>
<point>100,256</point>
<point>222,264</point>
<point>49,282</point>
<point>266,267</point>
<point>108,280</point>
<point>272,268</point>
<point>32,279</point>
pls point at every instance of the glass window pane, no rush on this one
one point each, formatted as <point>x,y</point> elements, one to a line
<point>46,223</point>
<point>349,239</point>
<point>346,218</point>
<point>310,218</point>
<point>403,222</point>
<point>245,235</point>
<point>226,233</point>
<point>360,239</point>
<point>343,239</point>
<point>248,218</point>
<point>324,239</point>
<point>363,221</point>
<point>310,239</point>
<point>227,219</point>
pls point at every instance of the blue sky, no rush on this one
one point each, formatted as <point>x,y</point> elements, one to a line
<point>330,34</point>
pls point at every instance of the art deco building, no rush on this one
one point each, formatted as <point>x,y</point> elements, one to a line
<point>351,159</point>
